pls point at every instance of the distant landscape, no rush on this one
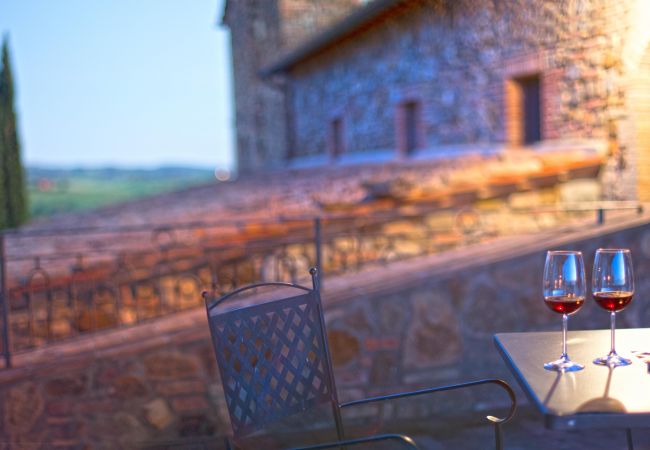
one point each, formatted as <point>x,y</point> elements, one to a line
<point>53,191</point>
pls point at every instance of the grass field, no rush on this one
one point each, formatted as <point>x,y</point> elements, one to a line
<point>54,191</point>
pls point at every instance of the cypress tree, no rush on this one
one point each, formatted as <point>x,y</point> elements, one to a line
<point>12,176</point>
<point>3,193</point>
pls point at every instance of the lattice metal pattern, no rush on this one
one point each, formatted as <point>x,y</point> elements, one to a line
<point>272,360</point>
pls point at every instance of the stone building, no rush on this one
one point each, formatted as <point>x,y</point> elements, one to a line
<point>342,82</point>
<point>260,31</point>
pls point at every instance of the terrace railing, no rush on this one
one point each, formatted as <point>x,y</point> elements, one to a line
<point>57,284</point>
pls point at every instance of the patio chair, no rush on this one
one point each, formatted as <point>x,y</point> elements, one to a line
<point>274,363</point>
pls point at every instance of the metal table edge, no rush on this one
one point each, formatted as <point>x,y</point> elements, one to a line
<point>521,380</point>
<point>565,421</point>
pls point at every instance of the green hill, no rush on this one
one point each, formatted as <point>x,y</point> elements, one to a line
<point>54,191</point>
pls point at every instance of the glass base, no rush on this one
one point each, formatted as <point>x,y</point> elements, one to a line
<point>612,360</point>
<point>563,365</point>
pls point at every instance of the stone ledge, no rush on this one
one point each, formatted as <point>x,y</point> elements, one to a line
<point>192,325</point>
<point>180,327</point>
<point>384,280</point>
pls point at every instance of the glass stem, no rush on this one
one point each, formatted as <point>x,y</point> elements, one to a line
<point>565,320</point>
<point>612,316</point>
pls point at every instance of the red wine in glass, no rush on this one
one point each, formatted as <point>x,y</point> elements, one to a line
<point>613,301</point>
<point>612,284</point>
<point>563,304</point>
<point>564,289</point>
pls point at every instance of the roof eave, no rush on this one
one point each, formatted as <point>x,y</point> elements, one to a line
<point>338,31</point>
<point>222,22</point>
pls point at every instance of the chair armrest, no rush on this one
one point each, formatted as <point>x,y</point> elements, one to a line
<point>404,441</point>
<point>500,383</point>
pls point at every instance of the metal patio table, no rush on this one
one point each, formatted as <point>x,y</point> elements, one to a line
<point>595,397</point>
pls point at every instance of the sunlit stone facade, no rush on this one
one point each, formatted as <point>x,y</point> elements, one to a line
<point>412,79</point>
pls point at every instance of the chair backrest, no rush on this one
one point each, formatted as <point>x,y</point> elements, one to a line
<point>272,356</point>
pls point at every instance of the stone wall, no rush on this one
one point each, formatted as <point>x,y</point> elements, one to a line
<point>260,31</point>
<point>301,19</point>
<point>411,324</point>
<point>459,62</point>
<point>456,63</point>
<point>259,106</point>
<point>118,398</point>
<point>442,327</point>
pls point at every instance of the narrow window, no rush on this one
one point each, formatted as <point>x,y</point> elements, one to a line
<point>408,127</point>
<point>524,110</point>
<point>532,115</point>
<point>411,110</point>
<point>336,138</point>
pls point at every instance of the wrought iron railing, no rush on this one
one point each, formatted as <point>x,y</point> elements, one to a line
<point>83,280</point>
<point>48,296</point>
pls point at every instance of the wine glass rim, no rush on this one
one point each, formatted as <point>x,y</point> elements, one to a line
<point>564,252</point>
<point>613,250</point>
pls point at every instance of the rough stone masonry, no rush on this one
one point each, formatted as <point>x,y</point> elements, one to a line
<point>340,94</point>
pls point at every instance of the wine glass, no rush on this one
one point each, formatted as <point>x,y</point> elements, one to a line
<point>564,293</point>
<point>612,286</point>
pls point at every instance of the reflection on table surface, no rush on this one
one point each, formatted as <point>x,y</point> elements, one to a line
<point>596,389</point>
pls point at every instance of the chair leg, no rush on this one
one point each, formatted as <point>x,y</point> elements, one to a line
<point>497,435</point>
<point>630,443</point>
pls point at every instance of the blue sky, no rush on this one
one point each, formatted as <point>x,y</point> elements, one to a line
<point>137,83</point>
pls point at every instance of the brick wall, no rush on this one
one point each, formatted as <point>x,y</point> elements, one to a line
<point>636,150</point>
<point>410,324</point>
<point>640,112</point>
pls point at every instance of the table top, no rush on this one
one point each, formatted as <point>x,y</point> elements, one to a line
<point>596,396</point>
